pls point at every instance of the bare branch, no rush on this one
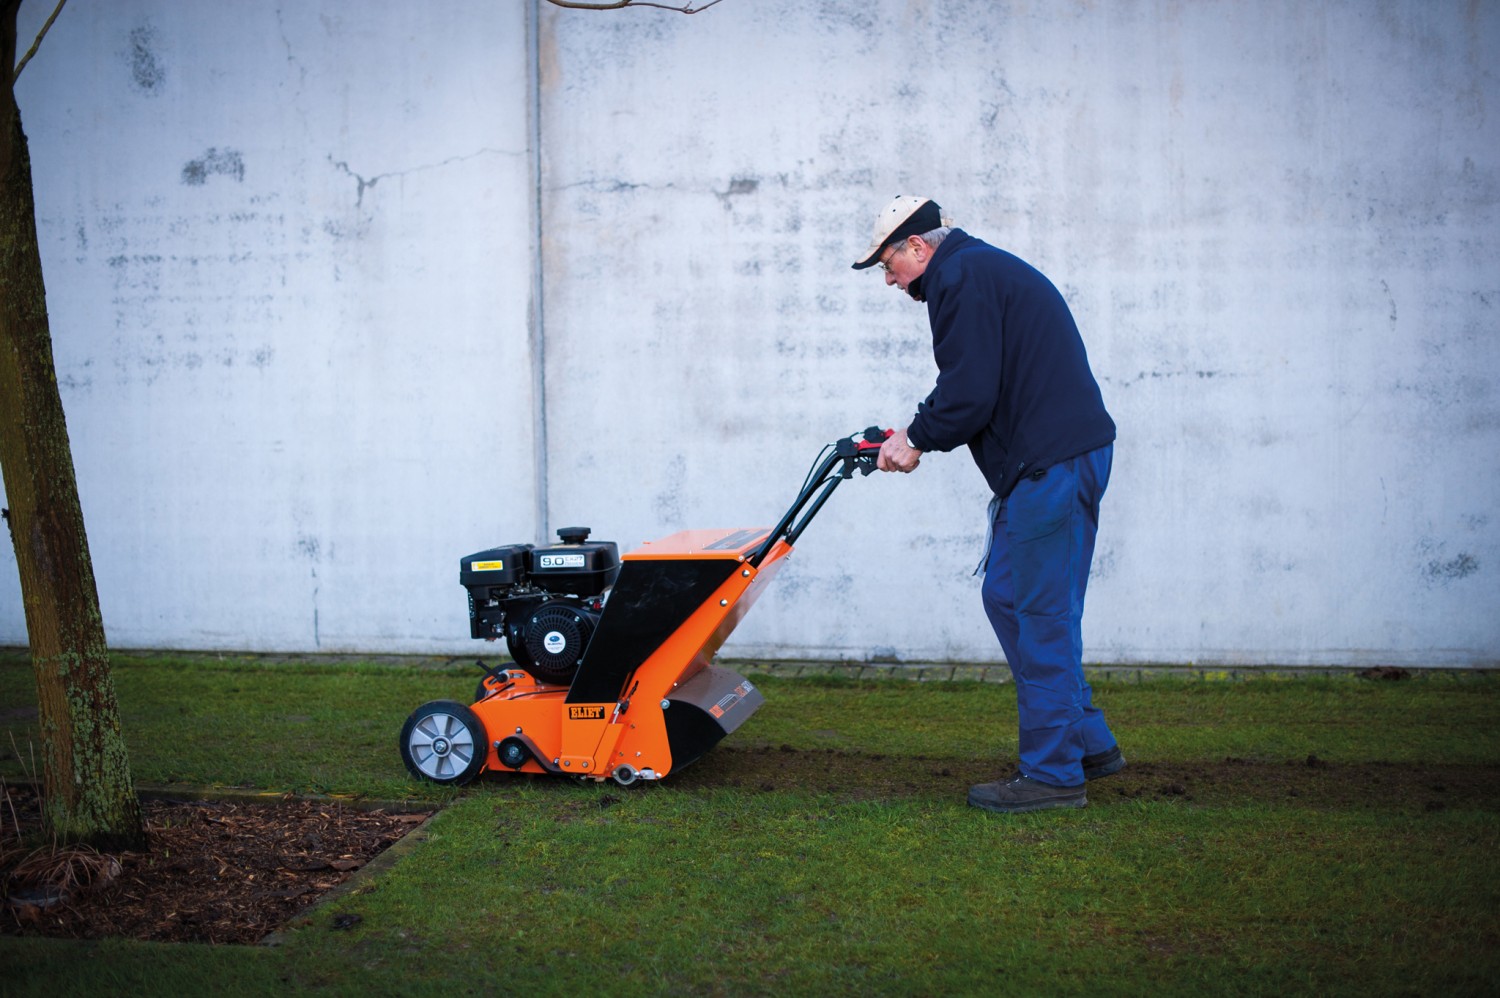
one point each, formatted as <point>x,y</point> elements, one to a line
<point>617,4</point>
<point>38,43</point>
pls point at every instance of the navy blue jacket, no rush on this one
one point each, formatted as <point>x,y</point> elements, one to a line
<point>1013,378</point>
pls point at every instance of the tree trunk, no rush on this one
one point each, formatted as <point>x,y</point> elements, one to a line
<point>89,796</point>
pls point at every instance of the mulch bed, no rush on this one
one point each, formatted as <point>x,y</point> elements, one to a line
<point>215,871</point>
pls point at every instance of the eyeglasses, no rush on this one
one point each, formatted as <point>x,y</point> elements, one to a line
<point>885,264</point>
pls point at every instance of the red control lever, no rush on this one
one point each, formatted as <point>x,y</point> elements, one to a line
<point>874,437</point>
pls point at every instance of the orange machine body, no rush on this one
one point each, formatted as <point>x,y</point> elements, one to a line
<point>675,603</point>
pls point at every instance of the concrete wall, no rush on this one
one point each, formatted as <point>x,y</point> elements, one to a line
<point>290,254</point>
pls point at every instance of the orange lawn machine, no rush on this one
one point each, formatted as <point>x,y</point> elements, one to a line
<point>612,674</point>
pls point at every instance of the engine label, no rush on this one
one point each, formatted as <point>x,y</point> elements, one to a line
<point>561,561</point>
<point>554,642</point>
<point>486,566</point>
<point>585,713</point>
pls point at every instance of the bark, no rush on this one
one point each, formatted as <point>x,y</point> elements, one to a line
<point>89,795</point>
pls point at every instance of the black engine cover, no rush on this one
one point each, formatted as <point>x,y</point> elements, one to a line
<point>507,583</point>
<point>549,641</point>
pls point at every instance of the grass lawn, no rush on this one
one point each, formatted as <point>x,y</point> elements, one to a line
<point>1311,836</point>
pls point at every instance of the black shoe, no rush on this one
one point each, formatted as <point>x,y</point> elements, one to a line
<point>1103,764</point>
<point>1022,793</point>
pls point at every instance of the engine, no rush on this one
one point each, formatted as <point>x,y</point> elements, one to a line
<point>544,601</point>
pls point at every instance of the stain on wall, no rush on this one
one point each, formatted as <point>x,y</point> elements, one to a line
<point>214,163</point>
<point>147,74</point>
<point>1441,571</point>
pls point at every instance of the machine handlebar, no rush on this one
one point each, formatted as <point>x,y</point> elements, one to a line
<point>859,451</point>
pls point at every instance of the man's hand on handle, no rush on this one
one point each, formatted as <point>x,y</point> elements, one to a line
<point>897,454</point>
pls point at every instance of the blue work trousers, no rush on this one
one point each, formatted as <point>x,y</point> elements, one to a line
<point>1034,580</point>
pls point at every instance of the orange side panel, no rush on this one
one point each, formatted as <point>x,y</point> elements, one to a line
<point>639,736</point>
<point>693,645</point>
<point>582,728</point>
<point>538,715</point>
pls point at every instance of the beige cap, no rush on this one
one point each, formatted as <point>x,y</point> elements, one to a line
<point>907,215</point>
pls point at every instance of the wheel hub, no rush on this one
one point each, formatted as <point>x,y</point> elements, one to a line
<point>444,745</point>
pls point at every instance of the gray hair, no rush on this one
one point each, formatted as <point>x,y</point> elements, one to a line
<point>936,236</point>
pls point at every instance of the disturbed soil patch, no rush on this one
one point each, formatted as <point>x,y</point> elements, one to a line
<point>1308,783</point>
<point>216,871</point>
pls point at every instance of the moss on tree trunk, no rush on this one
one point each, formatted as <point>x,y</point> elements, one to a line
<point>86,773</point>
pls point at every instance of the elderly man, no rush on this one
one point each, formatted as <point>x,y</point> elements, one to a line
<point>1014,384</point>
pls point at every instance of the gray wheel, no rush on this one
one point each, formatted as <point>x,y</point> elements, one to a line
<point>443,741</point>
